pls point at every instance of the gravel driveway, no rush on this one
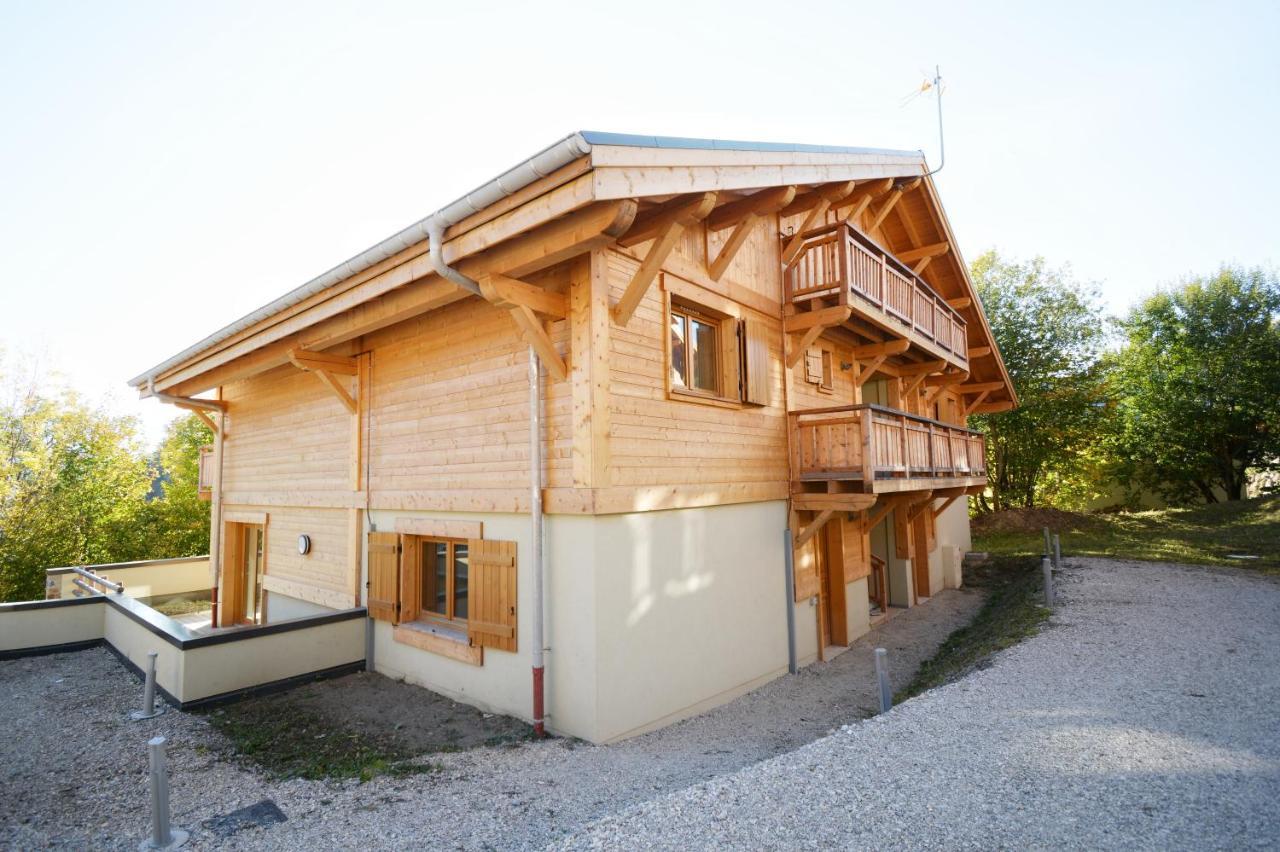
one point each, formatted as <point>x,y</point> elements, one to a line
<point>73,772</point>
<point>1145,716</point>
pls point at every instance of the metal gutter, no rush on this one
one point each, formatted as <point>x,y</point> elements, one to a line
<point>538,166</point>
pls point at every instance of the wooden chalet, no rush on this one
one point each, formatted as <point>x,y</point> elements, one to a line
<point>600,408</point>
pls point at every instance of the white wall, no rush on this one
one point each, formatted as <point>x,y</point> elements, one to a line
<point>281,607</point>
<point>857,596</point>
<point>43,626</point>
<point>690,611</point>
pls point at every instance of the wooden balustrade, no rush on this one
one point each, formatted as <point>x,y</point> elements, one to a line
<point>872,443</point>
<point>839,260</point>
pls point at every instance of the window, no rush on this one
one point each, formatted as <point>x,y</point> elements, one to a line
<point>695,351</point>
<point>820,368</point>
<point>444,572</point>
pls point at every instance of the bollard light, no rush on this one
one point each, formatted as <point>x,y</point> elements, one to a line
<point>882,678</point>
<point>149,709</point>
<point>163,835</point>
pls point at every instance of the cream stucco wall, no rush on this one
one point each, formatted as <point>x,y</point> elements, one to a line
<point>50,624</point>
<point>690,611</point>
<point>146,579</point>
<point>858,608</point>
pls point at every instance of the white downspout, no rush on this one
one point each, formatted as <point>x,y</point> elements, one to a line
<point>535,519</point>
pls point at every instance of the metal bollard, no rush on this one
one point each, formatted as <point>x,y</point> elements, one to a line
<point>1048,581</point>
<point>1046,551</point>
<point>882,676</point>
<point>1057,552</point>
<point>163,836</point>
<point>149,710</point>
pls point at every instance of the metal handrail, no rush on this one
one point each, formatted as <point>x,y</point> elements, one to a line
<point>118,588</point>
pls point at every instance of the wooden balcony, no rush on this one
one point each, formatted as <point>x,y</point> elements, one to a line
<point>839,265</point>
<point>884,449</point>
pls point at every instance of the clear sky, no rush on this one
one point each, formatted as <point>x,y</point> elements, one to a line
<point>167,167</point>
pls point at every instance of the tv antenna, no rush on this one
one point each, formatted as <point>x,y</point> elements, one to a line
<point>936,85</point>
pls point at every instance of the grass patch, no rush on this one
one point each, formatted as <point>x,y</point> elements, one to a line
<point>1011,613</point>
<point>1202,535</point>
<point>178,606</point>
<point>286,741</point>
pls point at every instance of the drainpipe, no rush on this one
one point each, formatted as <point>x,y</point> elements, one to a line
<point>435,233</point>
<point>215,509</point>
<point>535,518</point>
<point>435,253</point>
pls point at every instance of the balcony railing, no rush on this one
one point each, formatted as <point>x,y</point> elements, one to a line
<point>840,260</point>
<point>875,444</point>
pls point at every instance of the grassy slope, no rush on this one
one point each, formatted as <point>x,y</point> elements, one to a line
<point>1012,611</point>
<point>1202,535</point>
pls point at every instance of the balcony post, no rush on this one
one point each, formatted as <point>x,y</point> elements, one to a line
<point>868,449</point>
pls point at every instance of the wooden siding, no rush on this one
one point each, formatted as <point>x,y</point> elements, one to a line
<point>449,425</point>
<point>659,441</point>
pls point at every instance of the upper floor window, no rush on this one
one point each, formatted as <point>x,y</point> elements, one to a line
<point>695,351</point>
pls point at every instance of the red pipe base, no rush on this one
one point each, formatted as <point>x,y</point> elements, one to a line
<point>539,730</point>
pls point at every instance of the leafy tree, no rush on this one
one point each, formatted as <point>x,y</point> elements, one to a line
<point>1198,387</point>
<point>1051,332</point>
<point>177,521</point>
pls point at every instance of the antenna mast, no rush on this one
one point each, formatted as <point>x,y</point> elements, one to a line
<point>942,146</point>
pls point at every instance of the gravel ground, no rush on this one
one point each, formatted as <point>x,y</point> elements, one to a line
<point>1143,717</point>
<point>73,772</point>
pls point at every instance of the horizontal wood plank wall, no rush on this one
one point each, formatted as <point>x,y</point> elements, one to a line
<point>288,454</point>
<point>657,441</point>
<point>449,421</point>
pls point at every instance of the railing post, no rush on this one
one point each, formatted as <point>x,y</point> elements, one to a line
<point>866,424</point>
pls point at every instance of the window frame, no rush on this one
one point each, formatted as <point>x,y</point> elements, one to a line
<point>427,550</point>
<point>689,314</point>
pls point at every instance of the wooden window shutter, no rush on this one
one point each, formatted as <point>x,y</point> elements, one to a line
<point>857,551</point>
<point>813,366</point>
<point>755,362</point>
<point>410,578</point>
<point>491,594</point>
<point>384,576</point>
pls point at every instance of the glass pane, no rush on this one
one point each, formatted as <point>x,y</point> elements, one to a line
<point>677,351</point>
<point>435,574</point>
<point>460,581</point>
<point>702,373</point>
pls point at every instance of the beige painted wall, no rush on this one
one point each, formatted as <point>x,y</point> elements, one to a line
<point>690,611</point>
<point>133,641</point>
<point>49,625</point>
<point>858,608</point>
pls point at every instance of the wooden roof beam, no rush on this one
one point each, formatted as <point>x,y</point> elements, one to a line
<point>505,292</point>
<point>934,250</point>
<point>812,529</point>
<point>664,226</point>
<point>979,387</point>
<point>889,347</point>
<point>921,368</point>
<point>832,193</point>
<point>742,216</point>
<point>960,304</point>
<point>994,407</point>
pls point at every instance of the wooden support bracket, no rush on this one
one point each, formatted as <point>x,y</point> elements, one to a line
<point>934,250</point>
<point>812,324</point>
<point>968,409</point>
<point>324,367</point>
<point>864,374</point>
<point>202,414</point>
<point>742,216</point>
<point>536,336</point>
<point>504,292</point>
<point>979,352</point>
<point>889,347</point>
<point>961,303</point>
<point>664,226</point>
<point>812,529</point>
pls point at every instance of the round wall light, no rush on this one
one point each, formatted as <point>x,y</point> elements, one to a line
<point>304,544</point>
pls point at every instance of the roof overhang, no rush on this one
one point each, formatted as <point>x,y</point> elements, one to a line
<point>573,195</point>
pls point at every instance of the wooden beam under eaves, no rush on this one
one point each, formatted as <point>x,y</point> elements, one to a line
<point>521,300</point>
<point>323,367</point>
<point>937,384</point>
<point>889,347</point>
<point>742,216</point>
<point>812,324</point>
<point>994,407</point>
<point>961,303</point>
<point>202,414</point>
<point>934,250</point>
<point>889,203</point>
<point>968,409</point>
<point>979,387</point>
<point>664,227</point>
<point>979,352</point>
<point>921,368</point>
<point>818,202</point>
<point>864,373</point>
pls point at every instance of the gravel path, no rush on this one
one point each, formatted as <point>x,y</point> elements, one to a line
<point>1145,716</point>
<point>73,773</point>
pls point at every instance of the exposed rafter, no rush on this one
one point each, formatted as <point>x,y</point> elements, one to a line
<point>742,216</point>
<point>968,409</point>
<point>934,250</point>
<point>664,225</point>
<point>324,367</point>
<point>921,368</point>
<point>994,407</point>
<point>812,529</point>
<point>889,203</point>
<point>812,324</point>
<point>889,347</point>
<point>821,200</point>
<point>864,373</point>
<point>961,303</point>
<point>979,387</point>
<point>521,299</point>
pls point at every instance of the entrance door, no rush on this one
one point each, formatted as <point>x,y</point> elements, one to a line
<point>832,611</point>
<point>242,575</point>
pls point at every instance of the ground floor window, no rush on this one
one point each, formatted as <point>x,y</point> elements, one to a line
<point>444,573</point>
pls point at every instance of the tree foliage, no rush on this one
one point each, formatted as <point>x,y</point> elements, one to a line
<point>74,489</point>
<point>1051,332</point>
<point>1197,386</point>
